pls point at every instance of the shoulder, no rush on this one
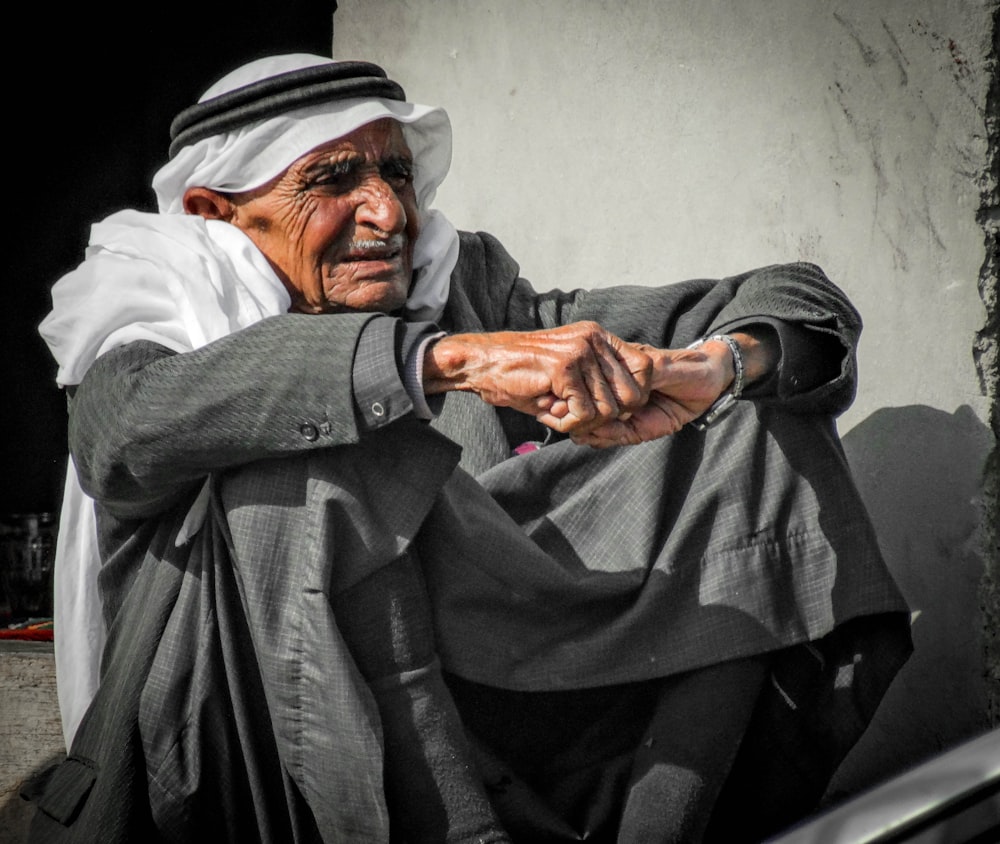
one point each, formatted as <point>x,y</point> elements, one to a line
<point>482,253</point>
<point>482,280</point>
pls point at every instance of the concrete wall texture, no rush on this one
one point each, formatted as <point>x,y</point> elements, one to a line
<point>649,141</point>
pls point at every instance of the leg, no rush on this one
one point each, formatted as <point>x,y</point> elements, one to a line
<point>686,754</point>
<point>433,791</point>
<point>305,532</point>
<point>556,763</point>
<point>817,702</point>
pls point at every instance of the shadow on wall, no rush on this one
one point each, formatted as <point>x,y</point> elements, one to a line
<point>919,471</point>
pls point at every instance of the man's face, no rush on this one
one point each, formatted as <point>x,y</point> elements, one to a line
<point>339,224</point>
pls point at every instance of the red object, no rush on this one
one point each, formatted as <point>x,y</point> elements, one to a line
<point>35,631</point>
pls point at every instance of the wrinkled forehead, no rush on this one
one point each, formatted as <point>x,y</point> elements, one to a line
<point>380,140</point>
<point>243,133</point>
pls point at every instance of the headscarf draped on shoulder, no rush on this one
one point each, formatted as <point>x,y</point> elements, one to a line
<point>182,281</point>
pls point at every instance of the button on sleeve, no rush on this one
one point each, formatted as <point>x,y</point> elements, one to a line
<point>380,396</point>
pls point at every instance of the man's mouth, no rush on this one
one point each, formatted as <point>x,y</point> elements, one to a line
<point>375,249</point>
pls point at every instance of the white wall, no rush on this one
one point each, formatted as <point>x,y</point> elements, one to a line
<point>647,141</point>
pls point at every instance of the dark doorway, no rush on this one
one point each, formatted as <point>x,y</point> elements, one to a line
<point>88,116</point>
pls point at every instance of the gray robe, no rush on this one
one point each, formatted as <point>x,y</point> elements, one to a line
<point>229,703</point>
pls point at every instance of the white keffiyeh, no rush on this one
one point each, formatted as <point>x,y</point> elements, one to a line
<point>182,282</point>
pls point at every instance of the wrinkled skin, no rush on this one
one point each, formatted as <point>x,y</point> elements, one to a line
<point>338,226</point>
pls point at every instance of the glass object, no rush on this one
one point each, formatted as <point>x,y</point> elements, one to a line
<point>27,556</point>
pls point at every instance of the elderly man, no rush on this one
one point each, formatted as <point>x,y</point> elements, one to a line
<point>342,607</point>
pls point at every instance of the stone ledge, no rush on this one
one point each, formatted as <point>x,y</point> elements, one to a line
<point>30,729</point>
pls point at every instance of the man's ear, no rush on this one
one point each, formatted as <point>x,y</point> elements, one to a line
<point>207,203</point>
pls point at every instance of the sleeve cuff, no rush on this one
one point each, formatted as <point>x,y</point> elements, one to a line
<point>379,394</point>
<point>388,372</point>
<point>424,407</point>
<point>808,358</point>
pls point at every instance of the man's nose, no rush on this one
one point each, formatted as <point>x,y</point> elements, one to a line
<point>381,207</point>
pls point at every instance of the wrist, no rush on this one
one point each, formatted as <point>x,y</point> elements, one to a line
<point>414,380</point>
<point>727,350</point>
<point>761,353</point>
<point>752,356</point>
<point>724,358</point>
<point>446,363</point>
<point>734,360</point>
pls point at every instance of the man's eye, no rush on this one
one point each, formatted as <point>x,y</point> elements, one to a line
<point>397,173</point>
<point>336,179</point>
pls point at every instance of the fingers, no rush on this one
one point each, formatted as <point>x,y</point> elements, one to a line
<point>608,380</point>
<point>587,396</point>
<point>620,383</point>
<point>633,376</point>
<point>638,393</point>
<point>662,416</point>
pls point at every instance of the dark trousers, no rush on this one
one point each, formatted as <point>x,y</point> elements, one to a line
<point>731,753</point>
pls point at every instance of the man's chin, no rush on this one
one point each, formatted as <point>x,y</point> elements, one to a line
<point>376,296</point>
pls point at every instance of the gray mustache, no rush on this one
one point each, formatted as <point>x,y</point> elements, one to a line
<point>393,243</point>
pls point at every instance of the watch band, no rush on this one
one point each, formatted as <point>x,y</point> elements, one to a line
<point>723,405</point>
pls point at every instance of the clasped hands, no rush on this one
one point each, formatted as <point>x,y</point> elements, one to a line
<point>584,381</point>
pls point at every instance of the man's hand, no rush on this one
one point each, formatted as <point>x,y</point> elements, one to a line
<point>685,384</point>
<point>573,379</point>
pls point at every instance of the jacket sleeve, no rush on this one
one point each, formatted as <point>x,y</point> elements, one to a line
<point>817,326</point>
<point>146,425</point>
